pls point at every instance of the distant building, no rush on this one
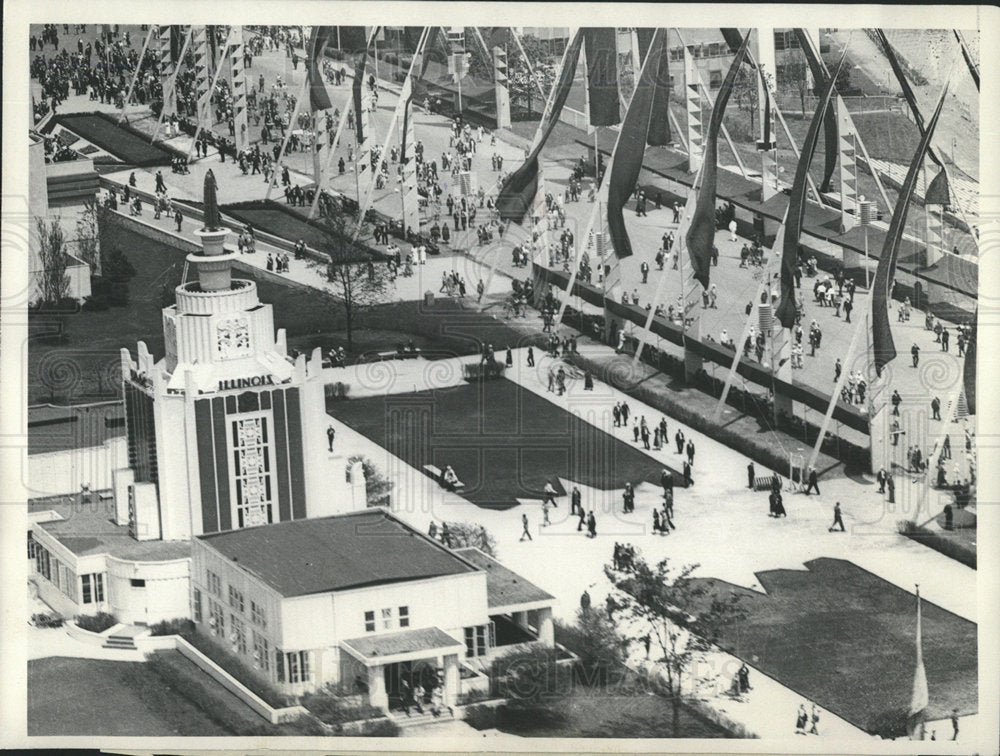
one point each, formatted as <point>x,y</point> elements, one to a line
<point>363,601</point>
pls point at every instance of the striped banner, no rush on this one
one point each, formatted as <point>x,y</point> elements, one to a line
<point>164,39</point>
<point>202,71</point>
<point>411,196</point>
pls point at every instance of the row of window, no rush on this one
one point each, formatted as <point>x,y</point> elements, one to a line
<point>389,619</point>
<point>87,589</point>
<point>237,601</point>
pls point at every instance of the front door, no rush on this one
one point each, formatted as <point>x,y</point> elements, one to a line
<point>395,675</point>
<point>137,599</point>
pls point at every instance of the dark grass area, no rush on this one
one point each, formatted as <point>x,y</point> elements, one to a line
<point>95,697</point>
<point>85,364</point>
<point>503,441</point>
<point>283,221</point>
<point>597,713</point>
<point>120,141</point>
<point>844,638</point>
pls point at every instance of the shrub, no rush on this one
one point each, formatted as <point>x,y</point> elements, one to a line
<point>46,620</point>
<point>946,544</point>
<point>335,710</point>
<point>377,486</point>
<point>380,728</point>
<point>530,678</point>
<point>889,724</point>
<point>594,639</point>
<point>479,371</point>
<point>238,668</point>
<point>481,717</point>
<point>96,623</point>
<point>465,534</point>
<point>178,626</point>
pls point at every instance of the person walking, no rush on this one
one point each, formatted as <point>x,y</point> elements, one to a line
<point>812,482</point>
<point>331,432</point>
<point>178,218</point>
<point>751,475</point>
<point>679,440</point>
<point>644,269</point>
<point>545,513</point>
<point>690,452</point>
<point>837,519</point>
<point>814,730</point>
<point>880,478</point>
<point>591,525</point>
<point>896,401</point>
<point>891,485</point>
<point>550,494</point>
<point>801,720</point>
<point>915,354</point>
<point>525,532</point>
<point>575,504</point>
<point>688,480</point>
<point>935,409</point>
<point>837,369</point>
<point>583,520</point>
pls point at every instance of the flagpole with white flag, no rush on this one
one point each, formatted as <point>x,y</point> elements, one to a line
<point>919,700</point>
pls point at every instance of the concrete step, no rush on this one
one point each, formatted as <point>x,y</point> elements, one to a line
<point>417,719</point>
<point>120,642</point>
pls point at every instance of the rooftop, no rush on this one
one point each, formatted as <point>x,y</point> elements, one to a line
<point>354,550</point>
<point>405,642</point>
<point>504,587</point>
<point>89,528</point>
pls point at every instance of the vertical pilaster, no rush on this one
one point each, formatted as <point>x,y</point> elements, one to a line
<point>501,86</point>
<point>694,104</point>
<point>847,143</point>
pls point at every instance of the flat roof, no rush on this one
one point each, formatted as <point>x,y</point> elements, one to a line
<point>88,529</point>
<point>321,555</point>
<point>504,587</point>
<point>403,642</point>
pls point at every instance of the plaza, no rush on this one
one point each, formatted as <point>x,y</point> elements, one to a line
<point>249,463</point>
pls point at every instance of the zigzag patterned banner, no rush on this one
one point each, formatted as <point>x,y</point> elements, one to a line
<point>202,73</point>
<point>164,36</point>
<point>241,126</point>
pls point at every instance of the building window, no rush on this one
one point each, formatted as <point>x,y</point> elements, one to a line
<point>475,641</point>
<point>196,605</point>
<point>238,635</point>
<point>252,462</point>
<point>214,584</point>
<point>216,619</point>
<point>387,619</point>
<point>31,546</point>
<point>298,666</point>
<point>42,563</point>
<point>369,622</point>
<point>92,588</point>
<point>261,652</point>
<point>235,599</point>
<point>404,616</point>
<point>257,615</point>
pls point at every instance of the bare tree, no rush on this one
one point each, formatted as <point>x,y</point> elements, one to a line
<point>54,259</point>
<point>675,612</point>
<point>88,245</point>
<point>357,285</point>
<point>795,76</point>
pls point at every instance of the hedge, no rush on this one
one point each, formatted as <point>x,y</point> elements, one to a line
<point>96,623</point>
<point>239,669</point>
<point>480,371</point>
<point>333,710</point>
<point>940,542</point>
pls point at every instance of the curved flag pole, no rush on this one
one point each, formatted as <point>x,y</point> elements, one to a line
<point>153,29</point>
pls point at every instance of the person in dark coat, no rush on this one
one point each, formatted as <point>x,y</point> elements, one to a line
<point>591,525</point>
<point>812,482</point>
<point>679,439</point>
<point>583,520</point>
<point>510,358</point>
<point>690,452</point>
<point>837,518</point>
<point>751,475</point>
<point>688,481</point>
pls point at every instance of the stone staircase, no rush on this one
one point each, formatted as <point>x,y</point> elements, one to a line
<point>120,643</point>
<point>416,719</point>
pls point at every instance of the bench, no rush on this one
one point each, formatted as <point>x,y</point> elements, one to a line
<point>438,474</point>
<point>763,483</point>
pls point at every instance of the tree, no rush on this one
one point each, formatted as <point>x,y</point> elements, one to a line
<point>377,486</point>
<point>357,286</point>
<point>796,76</point>
<point>745,92</point>
<point>596,640</point>
<point>54,282</point>
<point>87,237</point>
<point>466,534</point>
<point>678,614</point>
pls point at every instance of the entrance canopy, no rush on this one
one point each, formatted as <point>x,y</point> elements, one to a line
<point>408,645</point>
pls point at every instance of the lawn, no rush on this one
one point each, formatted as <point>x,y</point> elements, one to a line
<point>595,713</point>
<point>844,638</point>
<point>102,130</point>
<point>281,220</point>
<point>95,697</point>
<point>504,441</point>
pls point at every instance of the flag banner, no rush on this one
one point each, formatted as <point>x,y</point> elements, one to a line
<point>797,203</point>
<point>601,44</point>
<point>659,119</point>
<point>908,95</point>
<point>360,115</point>
<point>319,98</point>
<point>237,70</point>
<point>514,199</point>
<point>937,191</point>
<point>631,144</point>
<point>920,697</point>
<point>767,141</point>
<point>820,76</point>
<point>969,62</point>
<point>733,38</point>
<point>969,369</point>
<point>411,197</point>
<point>177,34</point>
<point>883,347</point>
<point>700,237</point>
<point>350,39</point>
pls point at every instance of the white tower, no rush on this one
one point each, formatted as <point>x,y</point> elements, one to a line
<point>226,430</point>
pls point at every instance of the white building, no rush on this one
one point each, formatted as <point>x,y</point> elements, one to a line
<point>225,431</point>
<point>361,600</point>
